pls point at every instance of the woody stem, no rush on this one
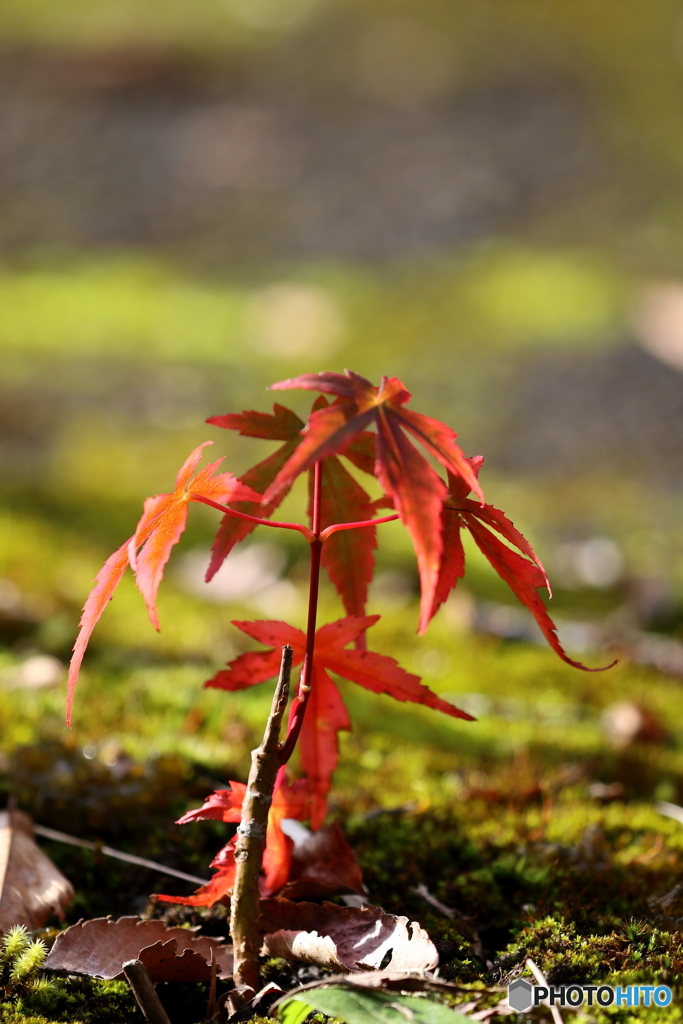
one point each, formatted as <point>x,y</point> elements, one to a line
<point>251,838</point>
<point>300,702</point>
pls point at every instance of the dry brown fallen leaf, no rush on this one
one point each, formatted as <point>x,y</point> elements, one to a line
<point>323,864</point>
<point>390,981</point>
<point>345,938</point>
<point>31,887</point>
<point>99,947</point>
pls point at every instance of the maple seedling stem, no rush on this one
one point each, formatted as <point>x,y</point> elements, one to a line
<point>300,702</point>
<point>251,838</point>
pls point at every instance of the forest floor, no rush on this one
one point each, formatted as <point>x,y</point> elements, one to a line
<point>537,825</point>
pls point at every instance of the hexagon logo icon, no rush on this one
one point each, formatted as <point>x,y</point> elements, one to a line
<point>520,995</point>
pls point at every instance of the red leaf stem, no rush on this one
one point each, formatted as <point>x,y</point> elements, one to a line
<point>253,519</point>
<point>355,526</point>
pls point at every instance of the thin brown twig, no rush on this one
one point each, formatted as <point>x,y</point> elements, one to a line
<point>144,992</point>
<point>211,1002</point>
<point>542,980</point>
<point>108,851</point>
<point>251,838</point>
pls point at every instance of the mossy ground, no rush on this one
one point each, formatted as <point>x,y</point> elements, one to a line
<point>495,818</point>
<point>500,819</point>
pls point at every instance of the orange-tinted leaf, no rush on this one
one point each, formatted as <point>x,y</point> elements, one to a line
<point>107,580</point>
<point>232,530</point>
<point>282,425</point>
<point>165,516</point>
<point>168,517</point>
<point>159,528</point>
<point>524,579</point>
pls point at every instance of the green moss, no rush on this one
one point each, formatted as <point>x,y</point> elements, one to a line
<point>81,1000</point>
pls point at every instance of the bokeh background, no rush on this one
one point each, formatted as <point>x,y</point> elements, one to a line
<point>483,199</point>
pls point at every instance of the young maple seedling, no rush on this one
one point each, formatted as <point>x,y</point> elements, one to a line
<point>342,534</point>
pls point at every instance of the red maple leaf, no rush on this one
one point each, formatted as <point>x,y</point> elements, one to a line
<point>347,556</point>
<point>405,475</point>
<point>148,550</point>
<point>524,576</point>
<point>290,800</point>
<point>281,425</point>
<point>326,714</point>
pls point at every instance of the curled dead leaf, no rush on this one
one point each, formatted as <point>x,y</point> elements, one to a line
<point>323,864</point>
<point>345,938</point>
<point>31,887</point>
<point>99,947</point>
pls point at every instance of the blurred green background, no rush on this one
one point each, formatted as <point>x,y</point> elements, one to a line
<point>481,198</point>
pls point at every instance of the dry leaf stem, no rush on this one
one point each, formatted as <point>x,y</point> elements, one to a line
<point>251,837</point>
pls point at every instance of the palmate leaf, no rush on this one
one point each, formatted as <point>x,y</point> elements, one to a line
<point>326,715</point>
<point>290,800</point>
<point>524,576</point>
<point>406,476</point>
<point>106,582</point>
<point>147,551</point>
<point>165,518</point>
<point>281,425</point>
<point>346,556</point>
